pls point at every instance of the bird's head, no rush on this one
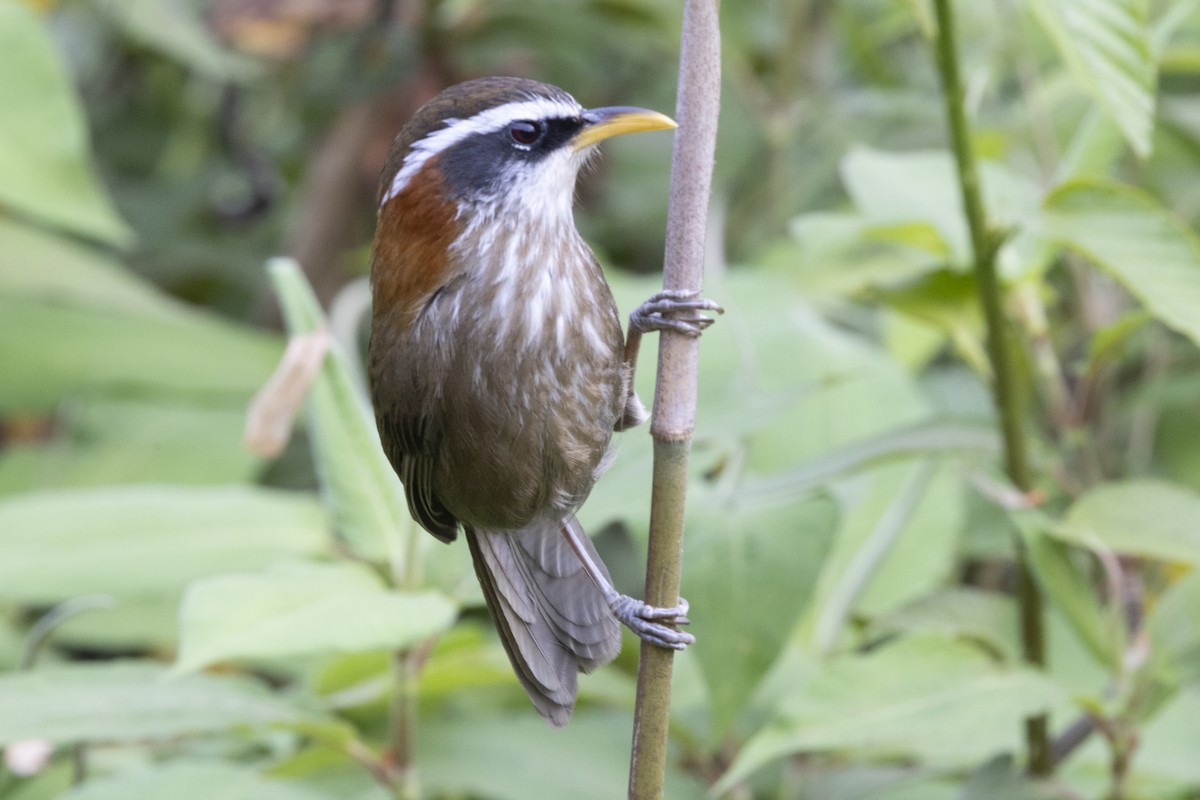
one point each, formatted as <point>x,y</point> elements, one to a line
<point>506,146</point>
<point>484,161</point>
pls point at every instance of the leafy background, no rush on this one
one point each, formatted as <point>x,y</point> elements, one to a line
<point>181,617</point>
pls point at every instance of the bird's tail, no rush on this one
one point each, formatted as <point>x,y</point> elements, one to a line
<point>553,620</point>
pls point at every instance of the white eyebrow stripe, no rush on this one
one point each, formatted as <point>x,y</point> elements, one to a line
<point>456,130</point>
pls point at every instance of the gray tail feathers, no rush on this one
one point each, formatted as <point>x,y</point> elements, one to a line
<point>553,620</point>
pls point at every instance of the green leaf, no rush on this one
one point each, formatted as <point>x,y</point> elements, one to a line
<point>364,496</point>
<point>948,301</point>
<point>176,30</point>
<point>1000,779</point>
<point>898,189</point>
<point>899,526</point>
<point>109,442</point>
<point>301,608</point>
<point>45,167</point>
<point>1174,626</point>
<point>739,561</point>
<point>1106,44</point>
<point>1145,247</point>
<point>517,756</point>
<point>985,617</point>
<point>923,697</point>
<point>1065,581</point>
<point>129,702</point>
<point>40,265</point>
<point>191,781</point>
<point>52,350</point>
<point>146,539</point>
<point>1167,743</point>
<point>1147,518</point>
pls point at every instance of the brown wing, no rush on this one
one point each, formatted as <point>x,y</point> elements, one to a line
<point>410,449</point>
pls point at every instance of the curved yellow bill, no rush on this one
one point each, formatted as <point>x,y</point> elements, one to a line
<point>605,123</point>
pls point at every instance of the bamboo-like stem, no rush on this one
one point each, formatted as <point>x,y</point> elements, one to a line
<point>985,243</point>
<point>696,110</point>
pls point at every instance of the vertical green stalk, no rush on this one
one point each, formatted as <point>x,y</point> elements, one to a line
<point>696,109</point>
<point>985,243</point>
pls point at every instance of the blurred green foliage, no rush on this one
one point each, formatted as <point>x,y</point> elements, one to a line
<point>850,536</point>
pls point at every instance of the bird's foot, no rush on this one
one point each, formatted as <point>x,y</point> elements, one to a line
<point>662,313</point>
<point>651,623</point>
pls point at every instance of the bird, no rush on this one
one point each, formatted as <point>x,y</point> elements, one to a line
<point>498,368</point>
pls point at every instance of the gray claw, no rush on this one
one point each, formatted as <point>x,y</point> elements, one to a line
<point>656,314</point>
<point>651,623</point>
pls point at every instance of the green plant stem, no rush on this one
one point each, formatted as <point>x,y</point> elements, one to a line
<point>402,724</point>
<point>985,244</point>
<point>696,110</point>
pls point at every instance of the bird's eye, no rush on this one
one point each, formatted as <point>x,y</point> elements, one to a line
<point>525,133</point>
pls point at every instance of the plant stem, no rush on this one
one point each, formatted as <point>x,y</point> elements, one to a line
<point>696,110</point>
<point>402,722</point>
<point>985,244</point>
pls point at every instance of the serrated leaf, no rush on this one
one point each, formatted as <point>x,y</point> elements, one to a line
<point>45,165</point>
<point>301,608</point>
<point>1128,234</point>
<point>1148,518</point>
<point>127,702</point>
<point>364,496</point>
<point>146,539</point>
<point>1107,45</point>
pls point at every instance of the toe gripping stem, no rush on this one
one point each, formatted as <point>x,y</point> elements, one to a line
<point>650,623</point>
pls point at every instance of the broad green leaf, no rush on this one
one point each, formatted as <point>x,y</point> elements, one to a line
<point>364,496</point>
<point>109,442</point>
<point>146,539</point>
<point>892,189</point>
<point>129,702</point>
<point>1000,779</point>
<point>1147,518</point>
<point>948,301</point>
<point>299,608</point>
<point>1128,234</point>
<point>1093,150</point>
<point>52,350</point>
<point>951,437</point>
<point>45,165</point>
<point>985,617</point>
<point>130,624</point>
<point>923,697</point>
<point>1174,626</point>
<point>1167,743</point>
<point>517,756</point>
<point>779,386</point>
<point>872,782</point>
<point>739,561</point>
<point>41,265</point>
<point>841,254</point>
<point>176,30</point>
<point>191,780</point>
<point>1062,578</point>
<point>898,530</point>
<point>1106,44</point>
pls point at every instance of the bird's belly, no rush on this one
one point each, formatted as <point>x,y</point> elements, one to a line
<point>526,423</point>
